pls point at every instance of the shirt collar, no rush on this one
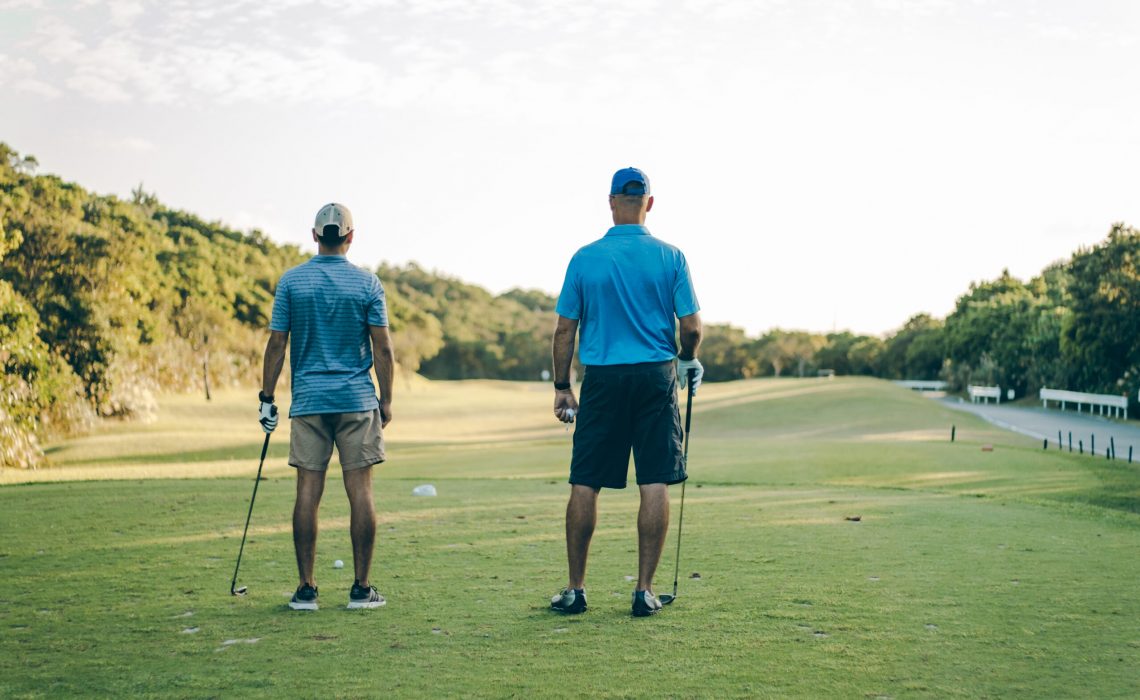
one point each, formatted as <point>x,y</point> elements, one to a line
<point>628,230</point>
<point>329,258</point>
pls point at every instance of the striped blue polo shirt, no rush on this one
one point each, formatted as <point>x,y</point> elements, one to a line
<point>626,290</point>
<point>327,305</point>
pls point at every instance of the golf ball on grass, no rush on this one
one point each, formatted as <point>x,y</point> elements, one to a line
<point>338,564</point>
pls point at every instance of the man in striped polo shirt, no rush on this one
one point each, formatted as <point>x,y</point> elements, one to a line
<point>624,295</point>
<point>336,317</point>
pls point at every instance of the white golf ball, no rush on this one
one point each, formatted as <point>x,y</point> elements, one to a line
<point>569,413</point>
<point>338,564</point>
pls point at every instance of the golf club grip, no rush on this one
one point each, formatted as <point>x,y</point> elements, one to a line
<point>689,403</point>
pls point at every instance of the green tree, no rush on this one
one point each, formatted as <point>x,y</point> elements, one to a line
<point>915,351</point>
<point>1100,341</point>
<point>793,351</point>
<point>726,354</point>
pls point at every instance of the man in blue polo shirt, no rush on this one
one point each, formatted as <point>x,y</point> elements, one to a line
<point>335,316</point>
<point>621,296</point>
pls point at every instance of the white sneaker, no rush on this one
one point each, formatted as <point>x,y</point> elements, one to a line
<point>645,604</point>
<point>362,597</point>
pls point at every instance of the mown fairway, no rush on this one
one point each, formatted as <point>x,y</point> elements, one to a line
<point>1010,573</point>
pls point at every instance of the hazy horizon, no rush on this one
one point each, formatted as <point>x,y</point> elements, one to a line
<point>822,165</point>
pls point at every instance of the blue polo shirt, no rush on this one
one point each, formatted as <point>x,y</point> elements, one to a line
<point>626,290</point>
<point>327,305</point>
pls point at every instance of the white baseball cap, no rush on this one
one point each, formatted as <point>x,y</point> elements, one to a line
<point>333,214</point>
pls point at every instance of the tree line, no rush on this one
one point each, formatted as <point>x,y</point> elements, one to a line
<point>105,302</point>
<point>1074,326</point>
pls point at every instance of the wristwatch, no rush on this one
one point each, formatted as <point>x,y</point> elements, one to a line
<point>561,386</point>
<point>263,398</point>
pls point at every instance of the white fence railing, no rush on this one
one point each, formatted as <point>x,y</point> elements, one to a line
<point>922,384</point>
<point>1115,406</point>
<point>985,393</point>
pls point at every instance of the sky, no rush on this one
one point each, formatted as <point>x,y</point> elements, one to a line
<point>823,164</point>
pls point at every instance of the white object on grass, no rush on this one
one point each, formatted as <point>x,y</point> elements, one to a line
<point>338,564</point>
<point>424,490</point>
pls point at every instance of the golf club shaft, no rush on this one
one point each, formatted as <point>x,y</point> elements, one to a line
<point>681,517</point>
<point>264,450</point>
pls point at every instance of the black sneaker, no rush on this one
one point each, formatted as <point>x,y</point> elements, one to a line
<point>363,597</point>
<point>645,604</point>
<point>570,601</point>
<point>305,598</point>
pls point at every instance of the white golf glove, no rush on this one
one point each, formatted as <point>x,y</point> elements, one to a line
<point>267,414</point>
<point>683,367</point>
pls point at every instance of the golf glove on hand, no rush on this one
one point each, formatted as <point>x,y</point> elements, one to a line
<point>267,416</point>
<point>683,367</point>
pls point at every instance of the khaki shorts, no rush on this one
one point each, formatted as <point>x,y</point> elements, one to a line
<point>356,435</point>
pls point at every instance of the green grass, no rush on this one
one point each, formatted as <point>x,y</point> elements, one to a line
<point>1009,573</point>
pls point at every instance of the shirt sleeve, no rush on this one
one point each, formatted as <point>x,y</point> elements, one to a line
<point>684,298</point>
<point>570,298</point>
<point>280,321</point>
<point>377,305</point>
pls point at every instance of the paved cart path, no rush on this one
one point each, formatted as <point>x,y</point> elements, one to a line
<point>1044,423</point>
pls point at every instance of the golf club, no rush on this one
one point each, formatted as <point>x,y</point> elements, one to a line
<point>233,583</point>
<point>666,598</point>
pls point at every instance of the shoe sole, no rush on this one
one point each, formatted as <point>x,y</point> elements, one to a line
<point>367,605</point>
<point>644,613</point>
<point>568,612</point>
<point>302,606</point>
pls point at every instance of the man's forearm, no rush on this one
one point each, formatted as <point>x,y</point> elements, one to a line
<point>563,351</point>
<point>273,362</point>
<point>383,360</point>
<point>691,332</point>
<point>384,363</point>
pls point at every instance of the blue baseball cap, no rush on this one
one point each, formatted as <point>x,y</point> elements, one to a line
<point>630,181</point>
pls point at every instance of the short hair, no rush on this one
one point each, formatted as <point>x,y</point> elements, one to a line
<point>630,200</point>
<point>330,236</point>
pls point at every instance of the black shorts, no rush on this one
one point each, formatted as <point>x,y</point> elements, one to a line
<point>624,407</point>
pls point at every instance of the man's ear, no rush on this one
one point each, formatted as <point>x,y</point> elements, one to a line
<point>315,240</point>
<point>613,203</point>
<point>348,238</point>
<point>649,204</point>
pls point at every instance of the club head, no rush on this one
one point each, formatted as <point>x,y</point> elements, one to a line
<point>239,591</point>
<point>666,598</point>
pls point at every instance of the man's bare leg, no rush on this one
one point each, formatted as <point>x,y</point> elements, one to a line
<point>652,526</point>
<point>310,487</point>
<point>581,517</point>
<point>358,486</point>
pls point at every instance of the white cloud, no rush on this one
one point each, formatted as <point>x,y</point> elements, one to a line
<point>57,42</point>
<point>20,75</point>
<point>123,12</point>
<point>98,88</point>
<point>137,144</point>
